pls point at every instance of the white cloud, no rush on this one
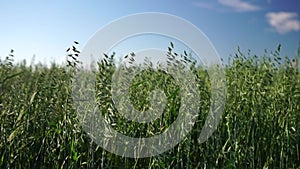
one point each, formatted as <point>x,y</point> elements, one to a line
<point>283,22</point>
<point>239,6</point>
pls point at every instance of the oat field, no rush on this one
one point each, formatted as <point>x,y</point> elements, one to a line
<point>259,128</point>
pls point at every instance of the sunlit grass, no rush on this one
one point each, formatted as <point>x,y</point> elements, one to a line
<point>259,127</point>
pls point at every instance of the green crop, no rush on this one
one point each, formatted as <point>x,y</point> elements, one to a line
<point>259,128</point>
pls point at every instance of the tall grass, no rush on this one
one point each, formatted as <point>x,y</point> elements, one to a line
<point>259,127</point>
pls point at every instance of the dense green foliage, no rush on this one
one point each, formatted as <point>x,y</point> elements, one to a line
<point>259,127</point>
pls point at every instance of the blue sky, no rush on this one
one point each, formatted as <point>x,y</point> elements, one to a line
<point>47,28</point>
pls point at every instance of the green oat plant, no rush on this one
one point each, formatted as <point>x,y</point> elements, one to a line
<point>39,127</point>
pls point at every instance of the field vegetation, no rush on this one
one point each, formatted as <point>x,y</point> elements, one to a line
<point>259,128</point>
